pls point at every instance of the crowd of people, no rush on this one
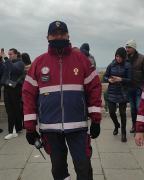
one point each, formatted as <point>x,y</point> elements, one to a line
<point>61,91</point>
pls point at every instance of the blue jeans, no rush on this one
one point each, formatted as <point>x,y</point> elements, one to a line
<point>134,100</point>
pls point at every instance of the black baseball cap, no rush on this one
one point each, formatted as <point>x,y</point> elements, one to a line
<point>57,25</point>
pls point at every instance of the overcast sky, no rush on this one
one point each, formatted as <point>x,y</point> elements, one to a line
<point>104,24</point>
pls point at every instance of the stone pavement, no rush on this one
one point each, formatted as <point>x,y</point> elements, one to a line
<point>111,160</point>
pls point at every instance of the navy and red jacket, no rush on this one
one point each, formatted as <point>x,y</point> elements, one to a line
<point>140,115</point>
<point>60,92</point>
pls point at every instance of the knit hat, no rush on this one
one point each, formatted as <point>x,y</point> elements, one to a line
<point>121,52</point>
<point>57,25</point>
<point>131,43</point>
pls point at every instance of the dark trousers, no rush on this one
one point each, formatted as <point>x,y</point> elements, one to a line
<point>13,105</point>
<point>134,99</point>
<point>79,146</point>
<point>122,109</point>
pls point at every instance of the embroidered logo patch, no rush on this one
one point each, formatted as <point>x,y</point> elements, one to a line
<point>45,70</point>
<point>75,71</point>
<point>45,78</point>
<point>58,24</point>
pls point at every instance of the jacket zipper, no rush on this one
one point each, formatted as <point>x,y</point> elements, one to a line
<point>40,108</point>
<point>62,106</point>
<point>84,107</point>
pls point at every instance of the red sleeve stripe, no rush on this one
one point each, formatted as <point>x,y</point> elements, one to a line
<point>29,117</point>
<point>90,77</point>
<point>140,118</point>
<point>94,109</point>
<point>68,87</point>
<point>31,80</point>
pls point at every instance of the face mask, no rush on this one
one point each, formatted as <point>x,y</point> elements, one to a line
<point>59,44</point>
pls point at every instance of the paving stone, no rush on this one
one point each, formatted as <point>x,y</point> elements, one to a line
<point>124,174</point>
<point>118,161</point>
<point>111,159</point>
<point>95,153</point>
<point>17,146</point>
<point>96,165</point>
<point>98,177</point>
<point>109,143</point>
<point>37,157</point>
<point>37,171</point>
<point>139,156</point>
<point>12,161</point>
<point>10,174</point>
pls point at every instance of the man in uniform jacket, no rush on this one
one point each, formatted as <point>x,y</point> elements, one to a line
<point>60,90</point>
<point>139,137</point>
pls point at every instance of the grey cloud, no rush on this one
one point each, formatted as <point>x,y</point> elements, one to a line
<point>105,24</point>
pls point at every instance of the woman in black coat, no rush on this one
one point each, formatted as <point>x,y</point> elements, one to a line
<point>118,74</point>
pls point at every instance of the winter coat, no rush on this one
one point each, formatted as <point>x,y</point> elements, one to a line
<point>59,90</point>
<point>13,70</point>
<point>117,92</point>
<point>1,69</point>
<point>137,69</point>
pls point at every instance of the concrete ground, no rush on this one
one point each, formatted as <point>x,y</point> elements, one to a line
<point>111,160</point>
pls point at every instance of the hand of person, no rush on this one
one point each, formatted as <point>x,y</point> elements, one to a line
<point>94,130</point>
<point>32,136</point>
<point>117,79</point>
<point>139,139</point>
<point>111,80</point>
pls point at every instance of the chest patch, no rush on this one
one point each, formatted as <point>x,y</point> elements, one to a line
<point>45,78</point>
<point>45,70</point>
<point>76,71</point>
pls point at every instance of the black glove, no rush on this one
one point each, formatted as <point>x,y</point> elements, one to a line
<point>94,130</point>
<point>32,136</point>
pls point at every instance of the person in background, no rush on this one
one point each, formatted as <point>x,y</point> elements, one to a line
<point>85,50</point>
<point>27,62</point>
<point>139,136</point>
<point>59,88</point>
<point>1,72</point>
<point>26,59</point>
<point>18,55</point>
<point>3,55</point>
<point>12,80</point>
<point>118,74</point>
<point>137,67</point>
